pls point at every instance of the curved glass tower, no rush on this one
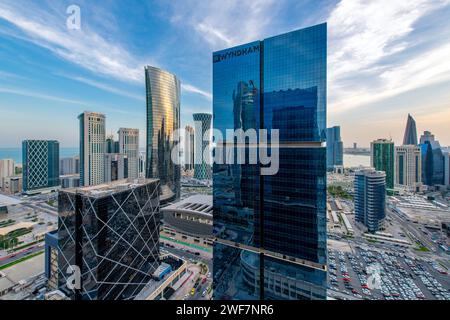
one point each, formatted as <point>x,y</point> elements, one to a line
<point>163,119</point>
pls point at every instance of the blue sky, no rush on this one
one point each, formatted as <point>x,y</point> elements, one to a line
<point>386,58</point>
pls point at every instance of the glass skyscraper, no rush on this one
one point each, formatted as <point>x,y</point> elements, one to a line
<point>163,120</point>
<point>271,229</point>
<point>40,160</point>
<point>111,233</point>
<point>410,137</point>
<point>382,158</point>
<point>432,160</point>
<point>335,148</point>
<point>370,198</point>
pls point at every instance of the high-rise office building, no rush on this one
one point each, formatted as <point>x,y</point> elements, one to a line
<point>141,164</point>
<point>410,137</point>
<point>111,233</point>
<point>271,229</point>
<point>69,165</point>
<point>116,167</point>
<point>129,145</point>
<point>335,148</point>
<point>6,169</point>
<point>188,149</point>
<point>408,167</point>
<point>163,122</point>
<point>432,160</point>
<point>40,159</point>
<point>382,158</point>
<point>446,153</point>
<point>202,167</point>
<point>370,198</point>
<point>111,145</point>
<point>92,148</point>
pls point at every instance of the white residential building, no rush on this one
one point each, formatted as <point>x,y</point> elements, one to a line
<point>92,148</point>
<point>6,169</point>
<point>408,167</point>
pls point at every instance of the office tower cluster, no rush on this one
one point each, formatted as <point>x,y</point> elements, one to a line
<point>163,123</point>
<point>202,167</point>
<point>102,159</point>
<point>335,148</point>
<point>271,229</point>
<point>413,164</point>
<point>370,198</point>
<point>40,159</point>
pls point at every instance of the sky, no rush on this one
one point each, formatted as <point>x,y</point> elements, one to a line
<point>385,59</point>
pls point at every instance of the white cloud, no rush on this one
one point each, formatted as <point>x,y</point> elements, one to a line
<point>84,47</point>
<point>226,23</point>
<point>104,87</point>
<point>189,88</point>
<point>28,93</point>
<point>364,36</point>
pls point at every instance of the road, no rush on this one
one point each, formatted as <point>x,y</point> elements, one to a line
<point>411,228</point>
<point>21,254</point>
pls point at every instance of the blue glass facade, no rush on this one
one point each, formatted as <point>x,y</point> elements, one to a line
<point>335,148</point>
<point>40,160</point>
<point>271,229</point>
<point>370,198</point>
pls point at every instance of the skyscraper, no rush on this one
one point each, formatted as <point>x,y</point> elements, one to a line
<point>446,152</point>
<point>202,166</point>
<point>6,169</point>
<point>116,167</point>
<point>129,145</point>
<point>432,160</point>
<point>111,145</point>
<point>189,148</point>
<point>40,160</point>
<point>370,198</point>
<point>408,167</point>
<point>271,229</point>
<point>163,121</point>
<point>111,233</point>
<point>69,165</point>
<point>335,148</point>
<point>92,148</point>
<point>410,137</point>
<point>382,156</point>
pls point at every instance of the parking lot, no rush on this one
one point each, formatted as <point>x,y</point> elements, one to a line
<point>400,277</point>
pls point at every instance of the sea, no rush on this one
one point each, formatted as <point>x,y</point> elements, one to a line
<point>16,153</point>
<point>350,160</point>
<point>356,160</point>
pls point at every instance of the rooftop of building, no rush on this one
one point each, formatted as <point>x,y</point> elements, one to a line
<point>21,225</point>
<point>199,204</point>
<point>105,189</point>
<point>370,172</point>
